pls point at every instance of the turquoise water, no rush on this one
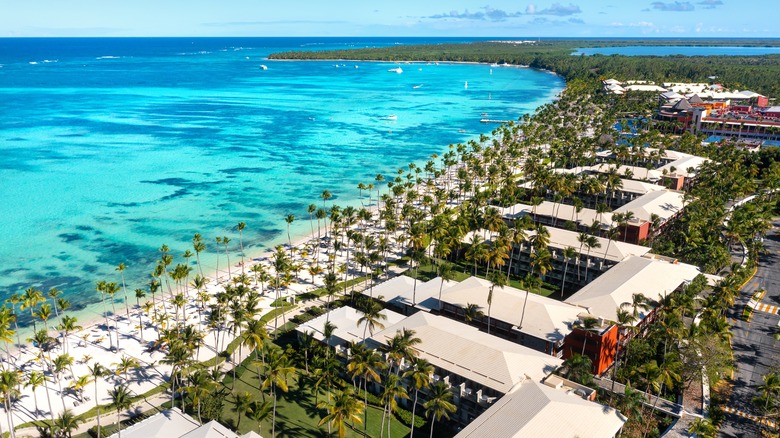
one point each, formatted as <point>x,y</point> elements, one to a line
<point>678,50</point>
<point>114,147</point>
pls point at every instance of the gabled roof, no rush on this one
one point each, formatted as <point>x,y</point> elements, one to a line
<point>664,203</point>
<point>401,291</point>
<point>545,318</point>
<point>614,251</point>
<point>652,277</point>
<point>563,212</point>
<point>346,321</point>
<point>535,410</point>
<point>463,350</point>
<point>166,424</point>
<point>682,164</point>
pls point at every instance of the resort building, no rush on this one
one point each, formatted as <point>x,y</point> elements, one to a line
<point>478,367</point>
<point>173,423</point>
<point>528,319</point>
<point>406,296</point>
<point>348,327</point>
<point>586,267</point>
<point>650,213</point>
<point>555,408</point>
<point>653,277</point>
<point>625,192</point>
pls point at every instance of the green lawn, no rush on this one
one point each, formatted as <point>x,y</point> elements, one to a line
<point>297,414</point>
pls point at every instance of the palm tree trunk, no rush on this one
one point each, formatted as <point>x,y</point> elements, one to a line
<point>97,404</point>
<point>433,421</point>
<point>414,408</point>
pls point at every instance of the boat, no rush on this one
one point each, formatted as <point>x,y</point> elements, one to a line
<point>397,70</point>
<point>417,86</point>
<point>263,67</point>
<point>466,85</point>
<point>356,66</point>
<point>392,117</point>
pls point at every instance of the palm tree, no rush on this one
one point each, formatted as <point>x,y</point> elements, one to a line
<point>9,389</point>
<point>289,219</point>
<point>439,403</point>
<point>277,371</point>
<point>242,404</point>
<point>200,386</point>
<point>67,422</point>
<point>393,389</point>
<point>472,312</point>
<point>372,315</point>
<point>446,273</point>
<point>30,300</point>
<point>121,268</point>
<point>34,380</point>
<point>240,227</point>
<point>591,242</point>
<point>53,294</point>
<point>568,254</point>
<point>578,369</point>
<point>365,363</point>
<point>703,428</point>
<point>343,408</point>
<point>120,400</point>
<point>496,279</point>
<point>421,375</point>
<point>125,364</point>
<point>199,246</point>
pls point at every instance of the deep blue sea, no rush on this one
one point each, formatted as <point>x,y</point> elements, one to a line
<point>678,50</point>
<point>113,147</point>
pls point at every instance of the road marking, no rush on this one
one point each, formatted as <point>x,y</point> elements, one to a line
<point>768,308</point>
<point>750,417</point>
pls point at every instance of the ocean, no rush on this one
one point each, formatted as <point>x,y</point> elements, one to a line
<point>114,147</point>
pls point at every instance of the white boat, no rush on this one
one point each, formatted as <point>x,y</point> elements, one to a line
<point>356,66</point>
<point>392,117</point>
<point>263,67</point>
<point>397,70</point>
<point>417,86</point>
<point>466,85</point>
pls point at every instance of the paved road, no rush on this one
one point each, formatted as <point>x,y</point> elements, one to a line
<point>755,351</point>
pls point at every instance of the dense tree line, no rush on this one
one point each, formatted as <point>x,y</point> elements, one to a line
<point>736,72</point>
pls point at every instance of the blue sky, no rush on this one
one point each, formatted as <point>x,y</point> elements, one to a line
<point>582,18</point>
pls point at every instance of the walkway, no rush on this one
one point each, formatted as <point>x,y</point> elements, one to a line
<point>661,404</point>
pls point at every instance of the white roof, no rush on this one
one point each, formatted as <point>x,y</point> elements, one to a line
<point>171,423</point>
<point>682,164</point>
<point>622,170</point>
<point>545,318</point>
<point>611,82</point>
<point>213,429</point>
<point>640,187</point>
<point>535,410</point>
<point>401,291</point>
<point>346,321</point>
<point>772,109</point>
<point>664,203</point>
<point>463,350</point>
<point>652,277</point>
<point>615,251</point>
<point>644,87</point>
<point>563,212</point>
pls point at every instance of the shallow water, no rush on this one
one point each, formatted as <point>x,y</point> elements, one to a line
<point>114,147</point>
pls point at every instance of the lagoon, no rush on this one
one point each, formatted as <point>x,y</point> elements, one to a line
<point>113,147</point>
